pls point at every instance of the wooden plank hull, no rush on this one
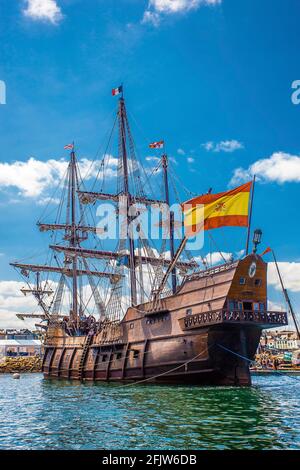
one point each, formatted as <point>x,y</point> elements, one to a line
<point>194,358</point>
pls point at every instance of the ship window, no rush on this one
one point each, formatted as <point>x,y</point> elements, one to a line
<point>257,282</point>
<point>233,305</point>
<point>131,326</point>
<point>242,281</point>
<point>256,306</point>
<point>189,311</point>
<point>104,357</point>
<point>119,355</point>
<point>261,306</point>
<point>136,353</point>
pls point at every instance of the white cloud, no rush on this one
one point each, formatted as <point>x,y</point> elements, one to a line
<point>33,177</point>
<point>157,8</point>
<point>12,301</point>
<point>240,253</point>
<point>208,146</point>
<point>181,152</point>
<point>280,167</point>
<point>190,160</point>
<point>275,306</point>
<point>152,159</point>
<point>177,6</point>
<point>290,273</point>
<point>43,201</point>
<point>227,146</point>
<point>151,17</point>
<point>43,10</point>
<point>219,257</point>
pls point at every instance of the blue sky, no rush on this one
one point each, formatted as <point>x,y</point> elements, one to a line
<point>213,78</point>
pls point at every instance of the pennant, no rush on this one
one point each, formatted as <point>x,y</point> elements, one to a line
<point>69,147</point>
<point>267,250</point>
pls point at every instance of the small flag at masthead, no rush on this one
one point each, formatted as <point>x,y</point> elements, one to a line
<point>157,145</point>
<point>69,147</point>
<point>117,91</point>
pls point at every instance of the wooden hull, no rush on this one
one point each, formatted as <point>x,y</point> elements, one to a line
<point>194,358</point>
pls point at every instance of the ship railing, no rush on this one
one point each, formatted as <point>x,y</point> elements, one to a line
<point>211,271</point>
<point>267,317</point>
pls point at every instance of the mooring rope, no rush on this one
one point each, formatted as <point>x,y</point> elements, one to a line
<point>276,372</point>
<point>168,371</point>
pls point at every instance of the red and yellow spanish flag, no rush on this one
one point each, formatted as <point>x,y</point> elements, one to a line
<point>211,211</point>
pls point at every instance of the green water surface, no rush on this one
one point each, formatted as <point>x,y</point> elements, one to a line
<point>49,414</point>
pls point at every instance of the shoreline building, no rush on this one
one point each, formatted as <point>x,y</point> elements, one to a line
<point>280,340</point>
<point>15,343</point>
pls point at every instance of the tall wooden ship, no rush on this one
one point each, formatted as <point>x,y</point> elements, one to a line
<point>203,328</point>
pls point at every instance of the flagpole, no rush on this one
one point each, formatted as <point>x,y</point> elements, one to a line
<point>250,216</point>
<point>286,296</point>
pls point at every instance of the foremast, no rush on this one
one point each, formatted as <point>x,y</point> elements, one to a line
<point>75,231</point>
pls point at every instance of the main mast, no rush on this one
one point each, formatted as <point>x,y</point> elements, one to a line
<point>122,126</point>
<point>132,189</point>
<point>73,238</point>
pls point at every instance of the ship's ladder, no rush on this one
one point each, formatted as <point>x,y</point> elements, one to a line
<point>84,355</point>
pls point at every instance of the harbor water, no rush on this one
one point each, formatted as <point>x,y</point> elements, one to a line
<point>50,414</point>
